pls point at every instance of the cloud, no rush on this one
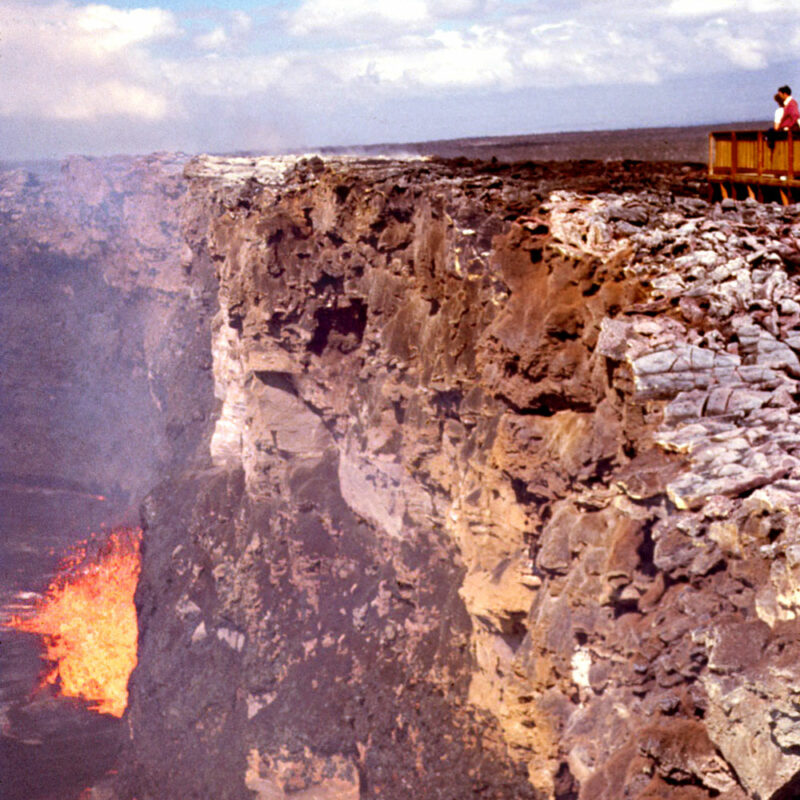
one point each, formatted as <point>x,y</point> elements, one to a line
<point>698,8</point>
<point>105,29</point>
<point>235,77</point>
<point>354,17</point>
<point>739,49</point>
<point>241,23</point>
<point>377,18</point>
<point>80,62</point>
<point>443,9</point>
<point>90,101</point>
<point>444,59</point>
<point>441,44</point>
<point>705,8</point>
<point>213,40</point>
<point>307,67</point>
<point>232,32</point>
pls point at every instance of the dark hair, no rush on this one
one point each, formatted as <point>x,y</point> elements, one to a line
<point>785,90</point>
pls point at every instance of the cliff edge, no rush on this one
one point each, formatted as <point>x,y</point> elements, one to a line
<point>471,479</point>
<point>501,492</point>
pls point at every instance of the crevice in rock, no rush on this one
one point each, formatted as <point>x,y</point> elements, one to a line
<point>344,326</point>
<point>278,321</point>
<point>332,283</point>
<point>790,791</point>
<point>278,380</point>
<point>342,192</point>
<point>236,319</point>
<point>549,404</point>
<point>646,550</point>
<point>522,495</point>
<point>565,787</point>
<point>447,403</point>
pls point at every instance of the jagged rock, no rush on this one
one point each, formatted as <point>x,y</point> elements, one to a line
<point>439,368</point>
<point>499,498</point>
<point>436,367</point>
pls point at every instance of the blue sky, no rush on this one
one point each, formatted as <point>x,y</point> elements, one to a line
<point>122,76</point>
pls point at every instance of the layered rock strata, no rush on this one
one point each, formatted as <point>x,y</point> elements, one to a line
<point>500,498</point>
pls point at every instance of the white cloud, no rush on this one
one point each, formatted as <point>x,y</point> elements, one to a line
<point>68,62</point>
<point>547,43</point>
<point>213,40</point>
<point>65,60</point>
<point>455,8</point>
<point>232,77</point>
<point>445,59</point>
<point>90,101</point>
<point>377,18</point>
<point>232,32</point>
<point>741,50</point>
<point>108,29</point>
<point>705,8</point>
<point>241,23</point>
<point>698,8</point>
<point>354,16</point>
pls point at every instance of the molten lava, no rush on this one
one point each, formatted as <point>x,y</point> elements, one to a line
<point>88,621</point>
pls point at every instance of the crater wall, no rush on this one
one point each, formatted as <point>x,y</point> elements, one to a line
<point>105,387</point>
<point>500,498</point>
<point>471,479</point>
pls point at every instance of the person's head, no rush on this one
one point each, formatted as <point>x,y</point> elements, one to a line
<point>785,91</point>
<point>779,98</point>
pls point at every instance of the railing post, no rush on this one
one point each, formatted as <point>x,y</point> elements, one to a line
<point>734,155</point>
<point>790,159</point>
<point>710,153</point>
<point>760,153</point>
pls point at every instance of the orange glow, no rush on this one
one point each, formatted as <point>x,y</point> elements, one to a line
<point>88,622</point>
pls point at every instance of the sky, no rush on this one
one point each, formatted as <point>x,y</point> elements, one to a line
<point>268,75</point>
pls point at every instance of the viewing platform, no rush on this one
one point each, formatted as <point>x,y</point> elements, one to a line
<point>741,164</point>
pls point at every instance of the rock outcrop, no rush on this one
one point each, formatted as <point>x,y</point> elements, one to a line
<point>502,494</point>
<point>498,497</point>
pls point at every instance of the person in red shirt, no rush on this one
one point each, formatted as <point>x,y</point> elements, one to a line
<point>788,121</point>
<point>791,113</point>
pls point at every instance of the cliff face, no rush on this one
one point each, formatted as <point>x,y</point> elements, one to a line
<point>502,494</point>
<point>102,324</point>
<point>498,493</point>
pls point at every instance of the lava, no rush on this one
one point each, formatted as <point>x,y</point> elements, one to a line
<point>88,622</point>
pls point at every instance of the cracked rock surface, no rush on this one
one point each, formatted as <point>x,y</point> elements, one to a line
<point>499,495</point>
<point>501,498</point>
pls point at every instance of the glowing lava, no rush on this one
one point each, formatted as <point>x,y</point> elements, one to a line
<point>88,621</point>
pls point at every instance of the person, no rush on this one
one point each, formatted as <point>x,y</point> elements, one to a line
<point>789,116</point>
<point>791,113</point>
<point>778,111</point>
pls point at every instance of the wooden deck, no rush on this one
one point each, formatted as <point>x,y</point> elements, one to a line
<point>741,164</point>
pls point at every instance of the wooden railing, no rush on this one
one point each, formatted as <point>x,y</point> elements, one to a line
<point>746,157</point>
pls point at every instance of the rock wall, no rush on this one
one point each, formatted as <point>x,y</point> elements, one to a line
<point>501,492</point>
<point>497,493</point>
<point>103,318</point>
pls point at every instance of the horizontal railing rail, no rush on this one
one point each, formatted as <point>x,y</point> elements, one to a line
<point>748,156</point>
